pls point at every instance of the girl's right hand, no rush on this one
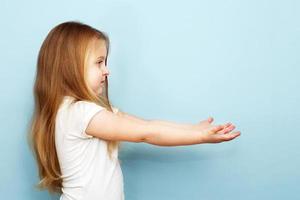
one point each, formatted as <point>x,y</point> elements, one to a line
<point>219,133</point>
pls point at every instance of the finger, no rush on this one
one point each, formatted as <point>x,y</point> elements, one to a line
<point>216,129</point>
<point>229,124</point>
<point>210,119</point>
<point>226,125</point>
<point>231,136</point>
<point>227,129</point>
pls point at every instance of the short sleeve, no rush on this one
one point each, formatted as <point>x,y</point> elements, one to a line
<point>87,110</point>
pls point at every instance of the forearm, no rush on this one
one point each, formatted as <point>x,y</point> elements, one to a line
<point>176,125</point>
<point>165,135</point>
<point>162,122</point>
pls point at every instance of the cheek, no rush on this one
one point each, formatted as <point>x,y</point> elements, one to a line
<point>94,77</point>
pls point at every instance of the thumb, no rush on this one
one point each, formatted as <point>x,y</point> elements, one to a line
<point>216,129</point>
<point>210,119</point>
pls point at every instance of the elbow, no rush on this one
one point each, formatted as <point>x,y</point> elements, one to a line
<point>147,132</point>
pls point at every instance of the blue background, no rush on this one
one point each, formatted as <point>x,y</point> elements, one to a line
<point>179,61</point>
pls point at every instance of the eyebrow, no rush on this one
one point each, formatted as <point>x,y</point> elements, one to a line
<point>101,57</point>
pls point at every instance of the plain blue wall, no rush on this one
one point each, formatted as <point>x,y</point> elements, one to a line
<point>180,61</point>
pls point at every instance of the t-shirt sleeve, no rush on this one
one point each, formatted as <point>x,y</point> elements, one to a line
<point>87,110</point>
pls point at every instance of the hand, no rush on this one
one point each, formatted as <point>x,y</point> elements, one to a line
<point>208,123</point>
<point>218,133</point>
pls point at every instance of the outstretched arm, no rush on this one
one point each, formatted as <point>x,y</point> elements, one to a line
<point>198,126</point>
<point>117,127</point>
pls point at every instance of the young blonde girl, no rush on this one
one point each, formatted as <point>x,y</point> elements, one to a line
<point>75,131</point>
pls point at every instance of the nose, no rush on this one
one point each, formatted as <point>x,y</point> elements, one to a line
<point>106,71</point>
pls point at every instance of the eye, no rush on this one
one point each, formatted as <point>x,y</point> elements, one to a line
<point>99,62</point>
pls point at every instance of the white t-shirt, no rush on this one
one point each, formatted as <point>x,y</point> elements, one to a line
<point>87,171</point>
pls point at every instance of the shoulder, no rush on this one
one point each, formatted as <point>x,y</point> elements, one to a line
<point>79,106</point>
<point>85,105</point>
<point>74,116</point>
<point>84,110</point>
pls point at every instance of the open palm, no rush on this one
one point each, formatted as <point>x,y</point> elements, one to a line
<point>221,134</point>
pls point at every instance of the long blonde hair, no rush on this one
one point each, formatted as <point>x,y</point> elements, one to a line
<point>61,67</point>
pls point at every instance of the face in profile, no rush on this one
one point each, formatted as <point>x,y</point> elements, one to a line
<point>97,71</point>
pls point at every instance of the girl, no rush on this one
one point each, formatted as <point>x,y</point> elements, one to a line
<point>75,131</point>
